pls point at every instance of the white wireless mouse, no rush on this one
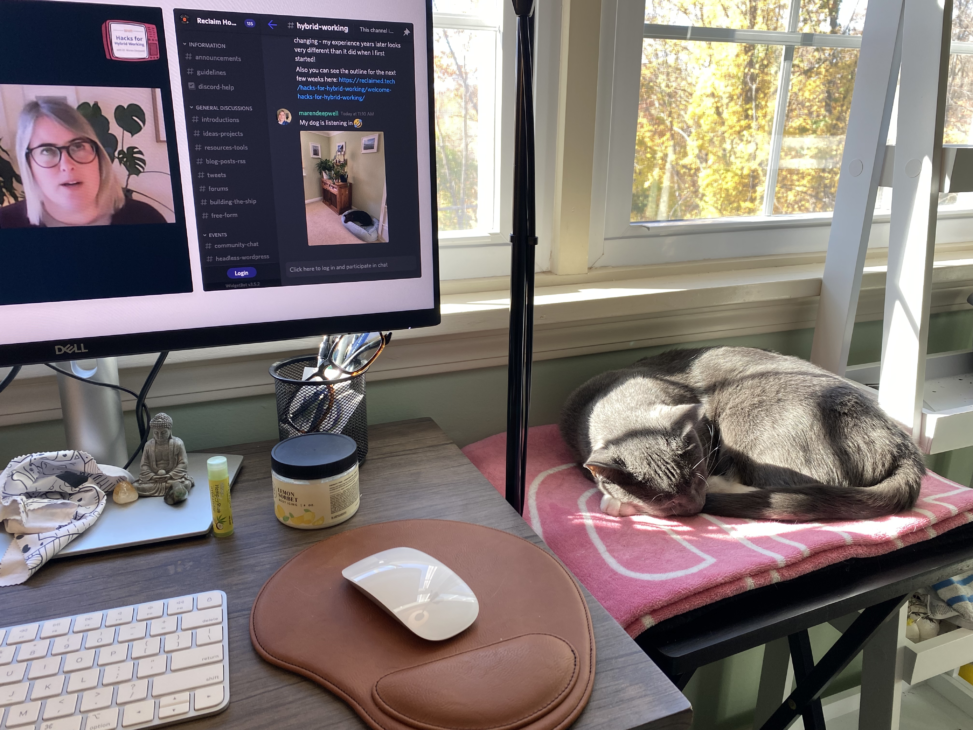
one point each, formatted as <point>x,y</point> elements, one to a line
<point>424,595</point>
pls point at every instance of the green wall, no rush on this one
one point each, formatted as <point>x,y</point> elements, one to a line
<point>366,171</point>
<point>471,405</point>
<point>312,178</point>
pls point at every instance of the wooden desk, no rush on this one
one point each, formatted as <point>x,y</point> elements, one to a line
<point>413,471</point>
<point>336,195</point>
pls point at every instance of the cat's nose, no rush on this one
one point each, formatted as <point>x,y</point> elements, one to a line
<point>683,505</point>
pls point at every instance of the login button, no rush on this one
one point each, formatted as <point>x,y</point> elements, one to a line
<point>242,272</point>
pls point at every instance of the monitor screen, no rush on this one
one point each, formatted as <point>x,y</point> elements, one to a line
<point>179,174</point>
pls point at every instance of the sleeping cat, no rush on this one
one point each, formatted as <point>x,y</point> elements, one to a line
<point>739,432</point>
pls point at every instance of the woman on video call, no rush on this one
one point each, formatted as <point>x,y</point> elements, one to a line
<point>67,175</point>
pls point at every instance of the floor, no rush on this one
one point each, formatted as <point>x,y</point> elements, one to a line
<point>324,226</point>
<point>923,708</point>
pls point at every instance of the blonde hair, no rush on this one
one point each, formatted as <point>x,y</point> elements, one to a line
<point>110,196</point>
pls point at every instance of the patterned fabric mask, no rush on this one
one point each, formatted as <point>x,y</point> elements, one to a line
<point>47,500</point>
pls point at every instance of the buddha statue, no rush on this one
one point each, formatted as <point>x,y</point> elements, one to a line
<point>164,468</point>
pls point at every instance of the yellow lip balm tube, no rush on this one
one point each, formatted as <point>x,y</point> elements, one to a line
<point>219,495</point>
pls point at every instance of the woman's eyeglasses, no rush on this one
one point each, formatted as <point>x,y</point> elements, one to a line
<point>82,151</point>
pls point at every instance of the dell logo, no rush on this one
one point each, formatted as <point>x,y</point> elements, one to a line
<point>68,349</point>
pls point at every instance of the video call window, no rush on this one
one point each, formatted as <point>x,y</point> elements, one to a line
<point>90,201</point>
<point>86,156</point>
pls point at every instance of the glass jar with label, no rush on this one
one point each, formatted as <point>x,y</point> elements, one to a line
<point>315,479</point>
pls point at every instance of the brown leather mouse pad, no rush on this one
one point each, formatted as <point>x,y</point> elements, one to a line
<point>527,661</point>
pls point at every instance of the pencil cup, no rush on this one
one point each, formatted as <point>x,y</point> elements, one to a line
<point>334,406</point>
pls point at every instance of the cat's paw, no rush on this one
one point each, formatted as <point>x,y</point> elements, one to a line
<point>616,508</point>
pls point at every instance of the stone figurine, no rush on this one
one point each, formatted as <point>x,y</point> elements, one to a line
<point>164,470</point>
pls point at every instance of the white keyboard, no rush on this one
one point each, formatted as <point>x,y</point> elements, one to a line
<point>132,667</point>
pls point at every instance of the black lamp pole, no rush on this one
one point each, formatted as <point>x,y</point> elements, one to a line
<point>524,242</point>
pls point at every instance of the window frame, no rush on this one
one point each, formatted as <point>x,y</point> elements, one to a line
<point>615,240</point>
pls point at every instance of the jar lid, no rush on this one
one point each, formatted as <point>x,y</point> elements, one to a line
<point>314,456</point>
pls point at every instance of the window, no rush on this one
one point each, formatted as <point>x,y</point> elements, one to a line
<point>467,54</point>
<point>738,112</point>
<point>475,78</point>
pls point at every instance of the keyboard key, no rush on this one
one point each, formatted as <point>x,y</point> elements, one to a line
<point>131,632</point>
<point>208,697</point>
<point>67,644</point>
<point>119,616</point>
<point>99,638</point>
<point>178,642</point>
<point>188,679</point>
<point>176,699</point>
<point>87,622</point>
<point>146,647</point>
<point>81,681</point>
<point>33,650</point>
<point>13,694</point>
<point>50,687</point>
<point>60,706</point>
<point>44,668</point>
<point>213,599</point>
<point>132,692</point>
<point>65,723</point>
<point>150,610</point>
<point>23,714</point>
<point>79,660</point>
<point>118,673</point>
<point>209,635</point>
<point>104,720</point>
<point>174,710</point>
<point>151,667</point>
<point>183,604</point>
<point>167,625</point>
<point>7,655</point>
<point>3,632</point>
<point>22,634</point>
<point>197,657</point>
<point>96,699</point>
<point>138,713</point>
<point>58,627</point>
<point>12,674</point>
<point>112,655</point>
<point>198,619</point>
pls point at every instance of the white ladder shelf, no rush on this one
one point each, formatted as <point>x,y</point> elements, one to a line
<point>931,397</point>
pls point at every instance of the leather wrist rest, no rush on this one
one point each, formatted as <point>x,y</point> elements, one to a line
<point>526,662</point>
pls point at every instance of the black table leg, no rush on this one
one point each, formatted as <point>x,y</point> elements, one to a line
<point>803,660</point>
<point>831,664</point>
<point>681,680</point>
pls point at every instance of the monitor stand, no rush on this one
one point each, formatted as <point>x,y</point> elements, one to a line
<point>93,423</point>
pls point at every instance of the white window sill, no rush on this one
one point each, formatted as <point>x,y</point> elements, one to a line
<point>602,311</point>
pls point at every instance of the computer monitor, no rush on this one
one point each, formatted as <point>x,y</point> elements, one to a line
<point>191,173</point>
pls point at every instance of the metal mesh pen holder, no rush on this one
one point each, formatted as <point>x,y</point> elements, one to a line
<point>334,406</point>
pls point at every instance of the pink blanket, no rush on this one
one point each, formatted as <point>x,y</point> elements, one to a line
<point>645,569</point>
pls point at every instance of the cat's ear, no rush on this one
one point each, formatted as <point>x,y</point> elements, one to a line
<point>606,472</point>
<point>686,417</point>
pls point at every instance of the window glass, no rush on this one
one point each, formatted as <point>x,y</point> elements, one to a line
<point>835,17</point>
<point>461,57</point>
<point>822,81</point>
<point>740,14</point>
<point>464,7</point>
<point>963,20</point>
<point>705,118</point>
